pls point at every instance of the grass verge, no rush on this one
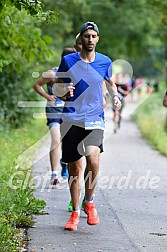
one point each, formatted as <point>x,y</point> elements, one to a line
<point>151,117</point>
<point>17,204</point>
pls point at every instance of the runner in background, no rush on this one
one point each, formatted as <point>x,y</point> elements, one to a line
<point>123,91</point>
<point>117,117</point>
<point>78,43</point>
<point>138,86</point>
<point>165,100</point>
<point>53,110</point>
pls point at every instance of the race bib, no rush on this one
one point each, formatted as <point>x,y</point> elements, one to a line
<point>95,125</point>
<point>59,103</point>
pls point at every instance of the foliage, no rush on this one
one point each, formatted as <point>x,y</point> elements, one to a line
<point>22,48</point>
<point>14,89</point>
<point>21,41</point>
<point>34,8</point>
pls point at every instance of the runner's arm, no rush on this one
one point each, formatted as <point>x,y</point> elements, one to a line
<point>114,92</point>
<point>47,77</point>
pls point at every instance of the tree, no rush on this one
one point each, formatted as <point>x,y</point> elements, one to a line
<point>22,47</point>
<point>20,39</point>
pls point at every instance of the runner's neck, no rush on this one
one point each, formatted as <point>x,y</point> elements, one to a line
<point>87,56</point>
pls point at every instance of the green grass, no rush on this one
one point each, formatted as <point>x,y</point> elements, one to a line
<point>151,117</point>
<point>16,205</point>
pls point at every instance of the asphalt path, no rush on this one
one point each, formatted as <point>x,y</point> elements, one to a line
<point>131,199</point>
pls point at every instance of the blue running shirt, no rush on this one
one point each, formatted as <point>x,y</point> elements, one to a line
<point>87,103</point>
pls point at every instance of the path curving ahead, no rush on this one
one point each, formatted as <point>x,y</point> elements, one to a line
<point>131,199</point>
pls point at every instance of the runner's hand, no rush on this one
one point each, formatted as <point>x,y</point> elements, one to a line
<point>70,89</point>
<point>51,98</point>
<point>117,103</point>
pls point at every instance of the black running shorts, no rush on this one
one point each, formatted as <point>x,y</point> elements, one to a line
<point>75,139</point>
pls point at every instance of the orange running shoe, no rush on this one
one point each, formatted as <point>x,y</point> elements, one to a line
<point>91,211</point>
<point>73,221</point>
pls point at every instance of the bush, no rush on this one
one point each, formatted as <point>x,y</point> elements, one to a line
<point>14,88</point>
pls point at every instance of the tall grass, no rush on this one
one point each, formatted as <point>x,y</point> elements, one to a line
<point>16,205</point>
<point>151,117</point>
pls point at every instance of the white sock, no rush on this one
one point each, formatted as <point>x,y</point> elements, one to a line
<point>55,173</point>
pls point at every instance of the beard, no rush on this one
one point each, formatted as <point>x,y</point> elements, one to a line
<point>90,49</point>
<point>87,47</point>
